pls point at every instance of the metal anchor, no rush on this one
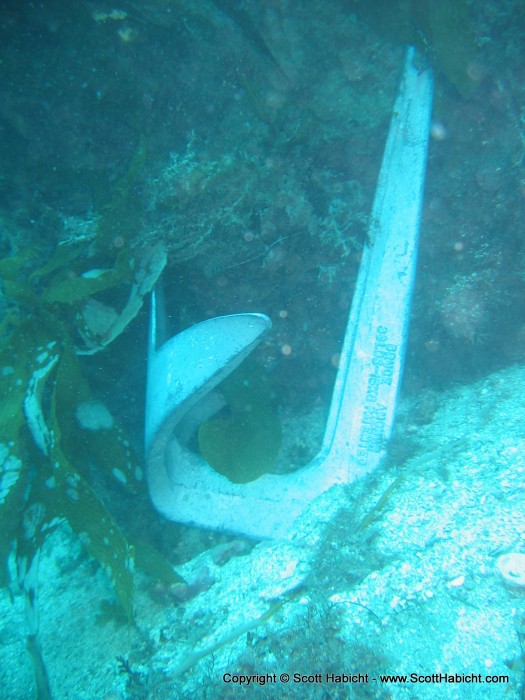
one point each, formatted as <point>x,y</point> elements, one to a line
<point>183,487</point>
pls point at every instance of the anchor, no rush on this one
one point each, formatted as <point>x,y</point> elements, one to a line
<point>184,369</point>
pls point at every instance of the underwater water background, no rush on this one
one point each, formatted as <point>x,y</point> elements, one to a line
<point>234,149</point>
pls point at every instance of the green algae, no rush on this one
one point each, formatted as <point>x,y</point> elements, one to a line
<point>42,445</point>
<point>441,30</point>
<point>244,444</point>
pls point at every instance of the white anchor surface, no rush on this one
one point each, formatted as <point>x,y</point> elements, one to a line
<point>182,371</point>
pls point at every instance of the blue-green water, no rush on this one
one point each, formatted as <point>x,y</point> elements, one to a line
<point>234,149</point>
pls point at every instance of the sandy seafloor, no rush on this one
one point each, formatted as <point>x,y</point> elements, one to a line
<point>413,590</point>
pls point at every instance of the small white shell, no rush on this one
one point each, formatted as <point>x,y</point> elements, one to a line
<point>512,568</point>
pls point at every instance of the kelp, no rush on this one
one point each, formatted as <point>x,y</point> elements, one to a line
<point>441,30</point>
<point>120,217</point>
<point>45,328</point>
